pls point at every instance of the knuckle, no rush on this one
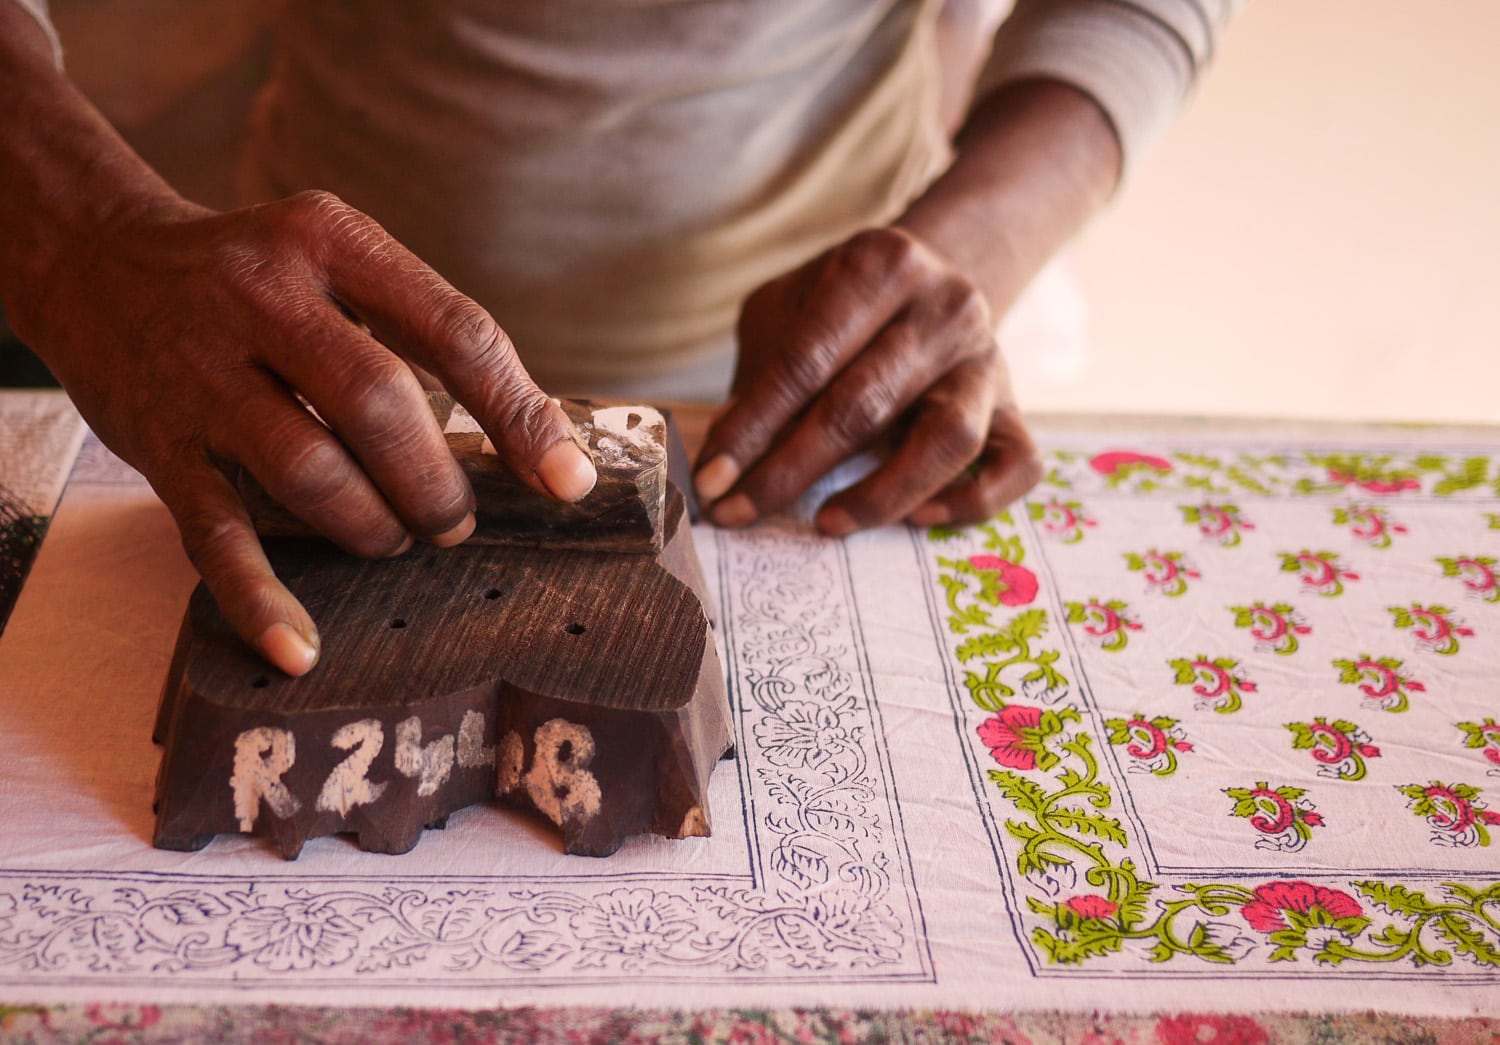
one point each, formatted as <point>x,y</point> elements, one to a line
<point>378,400</point>
<point>960,438</point>
<point>317,206</point>
<point>470,333</point>
<point>961,303</point>
<point>311,475</point>
<point>525,423</point>
<point>806,368</point>
<point>872,255</point>
<point>209,538</point>
<point>852,412</point>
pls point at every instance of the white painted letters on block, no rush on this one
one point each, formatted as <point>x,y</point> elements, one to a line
<point>558,783</point>
<point>431,764</point>
<point>348,786</point>
<point>261,756</point>
<point>471,750</point>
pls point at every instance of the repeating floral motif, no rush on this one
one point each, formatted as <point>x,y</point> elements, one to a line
<point>1108,622</point>
<point>1339,747</point>
<point>1435,628</point>
<point>1063,834</point>
<point>1151,743</point>
<point>1277,627</point>
<point>1219,682</point>
<point>1381,680</point>
<point>1065,520</point>
<point>831,895</point>
<point>1076,861</point>
<point>1284,815</point>
<point>1000,656</point>
<point>1321,573</point>
<point>1455,812</point>
<point>1224,524</point>
<point>1307,473</point>
<point>1476,572</point>
<point>1167,573</point>
<point>1484,737</point>
<point>1369,523</point>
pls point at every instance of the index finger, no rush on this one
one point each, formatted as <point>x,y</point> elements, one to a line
<point>853,297</point>
<point>412,309</point>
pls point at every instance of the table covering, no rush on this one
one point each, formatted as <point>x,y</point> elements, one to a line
<point>1209,722</point>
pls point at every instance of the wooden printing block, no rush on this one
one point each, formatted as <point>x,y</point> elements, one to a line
<point>579,683</point>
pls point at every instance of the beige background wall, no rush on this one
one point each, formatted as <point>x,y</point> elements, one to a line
<point>1320,235</point>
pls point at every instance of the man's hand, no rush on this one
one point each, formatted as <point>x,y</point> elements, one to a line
<point>186,338</point>
<point>888,338</point>
<point>880,336</point>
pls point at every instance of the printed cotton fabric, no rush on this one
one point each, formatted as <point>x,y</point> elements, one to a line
<point>1209,722</point>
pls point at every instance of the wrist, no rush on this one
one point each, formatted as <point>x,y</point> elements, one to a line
<point>66,177</point>
<point>1033,162</point>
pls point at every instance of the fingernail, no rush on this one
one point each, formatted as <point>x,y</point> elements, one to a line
<point>930,515</point>
<point>567,472</point>
<point>404,547</point>
<point>715,478</point>
<point>285,648</point>
<point>836,522</point>
<point>457,535</point>
<point>736,511</point>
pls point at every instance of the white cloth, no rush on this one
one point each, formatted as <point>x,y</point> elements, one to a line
<point>864,852</point>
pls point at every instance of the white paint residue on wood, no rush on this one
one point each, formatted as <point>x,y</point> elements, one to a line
<point>471,750</point>
<point>694,824</point>
<point>624,434</point>
<point>261,756</point>
<point>461,421</point>
<point>558,783</point>
<point>348,786</point>
<point>430,764</point>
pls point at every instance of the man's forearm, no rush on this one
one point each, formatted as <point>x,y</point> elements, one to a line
<point>64,172</point>
<point>1034,161</point>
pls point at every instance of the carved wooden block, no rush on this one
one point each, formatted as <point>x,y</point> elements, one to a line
<point>581,684</point>
<point>622,513</point>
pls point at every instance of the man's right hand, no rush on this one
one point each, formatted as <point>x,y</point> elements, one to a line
<point>185,338</point>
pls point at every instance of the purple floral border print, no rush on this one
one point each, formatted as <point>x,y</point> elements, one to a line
<point>828,897</point>
<point>1081,885</point>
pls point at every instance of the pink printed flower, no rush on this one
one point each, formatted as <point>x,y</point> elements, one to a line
<point>1014,736</point>
<point>1117,461</point>
<point>1392,484</point>
<point>122,1017</point>
<point>1091,905</point>
<point>1221,1030</point>
<point>1017,585</point>
<point>1274,900</point>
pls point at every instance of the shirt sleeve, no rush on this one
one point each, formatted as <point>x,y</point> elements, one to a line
<point>38,10</point>
<point>1137,58</point>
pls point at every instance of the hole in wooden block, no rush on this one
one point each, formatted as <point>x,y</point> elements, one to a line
<point>575,628</point>
<point>492,594</point>
<point>565,751</point>
<point>632,420</point>
<point>398,623</point>
<point>260,682</point>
